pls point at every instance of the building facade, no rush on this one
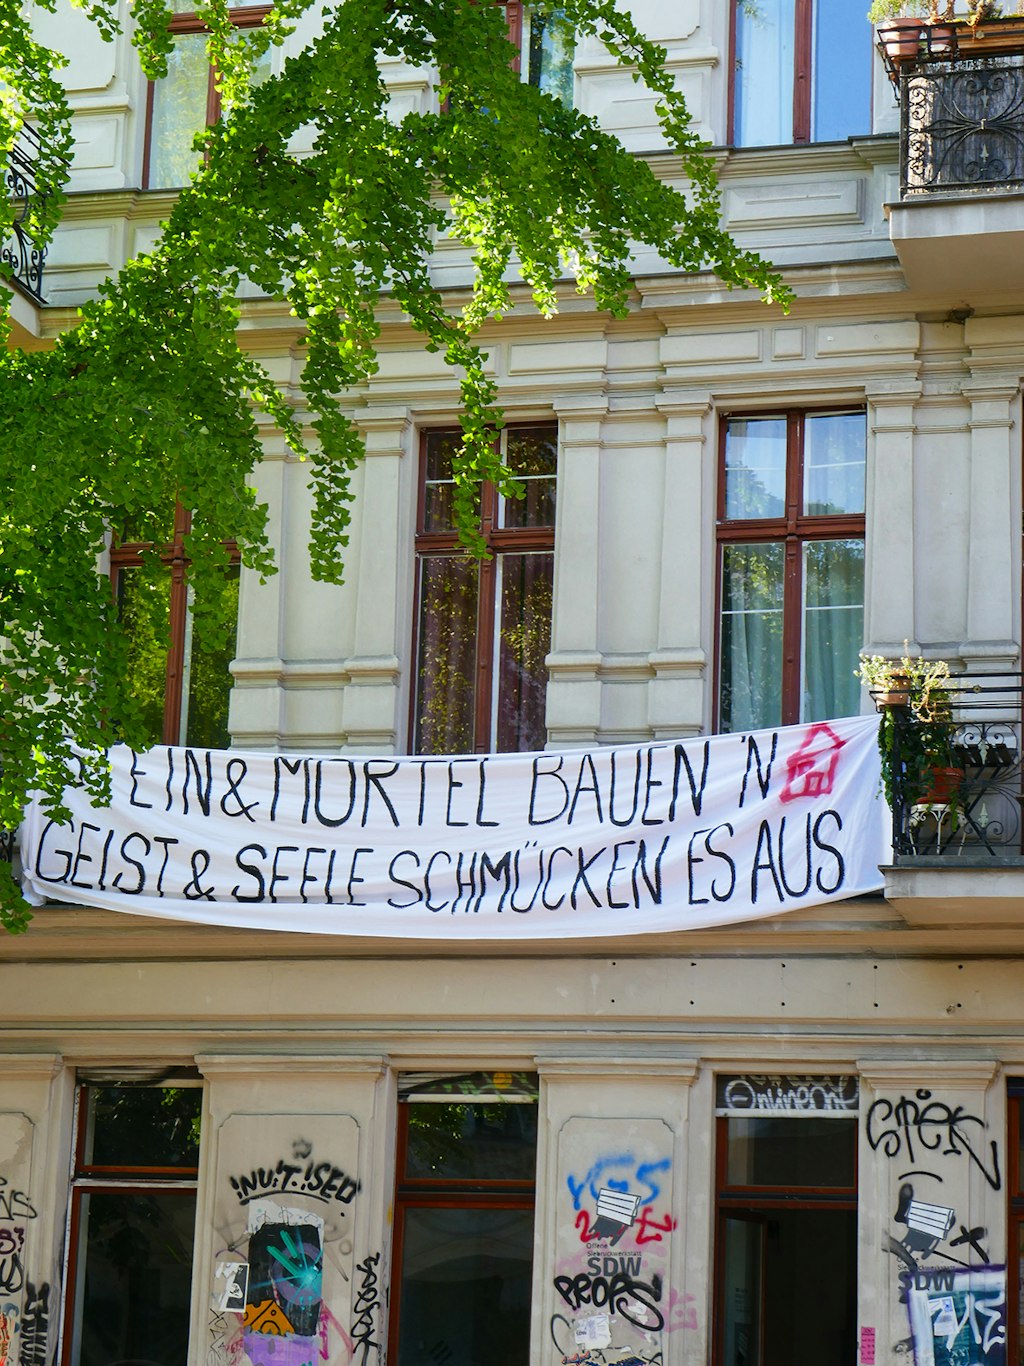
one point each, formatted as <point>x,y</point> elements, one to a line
<point>793,1139</point>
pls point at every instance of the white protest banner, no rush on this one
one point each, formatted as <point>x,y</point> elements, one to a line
<point>624,840</point>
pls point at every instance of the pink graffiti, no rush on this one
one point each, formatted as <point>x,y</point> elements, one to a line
<point>680,1312</point>
<point>328,1321</point>
<point>811,770</point>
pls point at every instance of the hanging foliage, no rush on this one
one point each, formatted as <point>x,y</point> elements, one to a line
<point>151,399</point>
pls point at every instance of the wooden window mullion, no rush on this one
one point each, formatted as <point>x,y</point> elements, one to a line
<point>794,470</point>
<point>802,79</point>
<point>792,633</point>
<point>514,19</point>
<point>178,621</point>
<point>792,593</point>
<point>486,665</point>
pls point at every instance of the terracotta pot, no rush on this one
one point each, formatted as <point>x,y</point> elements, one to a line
<point>884,700</point>
<point>901,37</point>
<point>941,39</point>
<point>896,695</point>
<point>943,786</point>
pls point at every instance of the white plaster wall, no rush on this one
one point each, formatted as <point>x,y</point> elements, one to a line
<point>634,628</point>
<point>797,205</point>
<point>35,1138</point>
<point>627,1053</point>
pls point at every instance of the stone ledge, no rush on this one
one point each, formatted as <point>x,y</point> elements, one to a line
<point>957,891</point>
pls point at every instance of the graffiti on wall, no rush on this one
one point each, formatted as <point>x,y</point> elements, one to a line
<point>12,1266</point>
<point>284,1287</point>
<point>16,1212</point>
<point>34,1325</point>
<point>788,1094</point>
<point>324,1181</point>
<point>918,1129</point>
<point>366,1311</point>
<point>613,1299</point>
<point>268,1303</point>
<point>958,1316</point>
<point>955,1297</point>
<point>25,1318</point>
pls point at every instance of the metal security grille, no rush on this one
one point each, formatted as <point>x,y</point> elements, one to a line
<point>963,126</point>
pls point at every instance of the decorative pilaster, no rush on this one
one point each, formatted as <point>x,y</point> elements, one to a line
<point>678,693</point>
<point>574,688</point>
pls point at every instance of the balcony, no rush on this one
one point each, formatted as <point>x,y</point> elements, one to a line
<point>20,253</point>
<point>961,96</point>
<point>957,788</point>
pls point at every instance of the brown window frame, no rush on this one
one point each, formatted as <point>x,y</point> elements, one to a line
<point>442,1193</point>
<point>803,19</point>
<point>499,541</point>
<point>736,1200</point>
<point>89,1178</point>
<point>794,529</point>
<point>514,19</point>
<point>247,16</point>
<point>131,555</point>
<point>803,74</point>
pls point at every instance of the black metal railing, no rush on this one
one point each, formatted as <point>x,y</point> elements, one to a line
<point>961,93</point>
<point>962,127</point>
<point>20,252</point>
<point>956,771</point>
<point>6,846</point>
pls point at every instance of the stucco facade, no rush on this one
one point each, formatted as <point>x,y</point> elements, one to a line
<point>904,1010</point>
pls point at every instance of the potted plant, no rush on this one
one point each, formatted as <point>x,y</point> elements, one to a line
<point>915,738</point>
<point>900,24</point>
<point>909,29</point>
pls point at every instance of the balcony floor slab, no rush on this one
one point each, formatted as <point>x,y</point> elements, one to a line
<point>967,244</point>
<point>956,891</point>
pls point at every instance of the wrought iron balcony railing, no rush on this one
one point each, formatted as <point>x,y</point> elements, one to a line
<point>956,771</point>
<point>20,252</point>
<point>961,93</point>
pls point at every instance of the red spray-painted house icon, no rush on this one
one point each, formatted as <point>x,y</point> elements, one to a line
<point>811,769</point>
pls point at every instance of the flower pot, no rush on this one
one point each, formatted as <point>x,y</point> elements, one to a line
<point>941,39</point>
<point>897,694</point>
<point>884,700</point>
<point>943,786</point>
<point>900,38</point>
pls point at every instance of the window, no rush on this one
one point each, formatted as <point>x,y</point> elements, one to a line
<point>133,1213</point>
<point>786,1198</point>
<point>801,71</point>
<point>546,53</point>
<point>791,567</point>
<point>186,100</point>
<point>181,683</point>
<point>467,1153</point>
<point>483,627</point>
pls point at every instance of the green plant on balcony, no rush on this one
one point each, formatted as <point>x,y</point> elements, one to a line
<point>915,737</point>
<point>883,11</point>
